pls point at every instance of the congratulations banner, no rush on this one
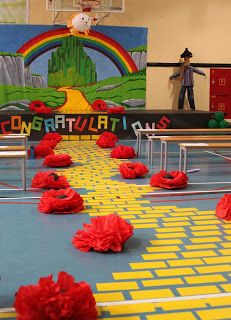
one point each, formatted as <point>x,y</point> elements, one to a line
<point>14,11</point>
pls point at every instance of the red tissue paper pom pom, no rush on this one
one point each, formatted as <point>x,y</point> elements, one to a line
<point>49,143</point>
<point>58,160</point>
<point>103,234</point>
<point>123,152</point>
<point>39,107</point>
<point>131,170</point>
<point>109,135</point>
<point>105,142</point>
<point>49,180</point>
<point>42,151</point>
<point>60,201</point>
<point>99,105</point>
<point>52,136</point>
<point>223,209</point>
<point>61,300</point>
<point>117,109</point>
<point>169,180</point>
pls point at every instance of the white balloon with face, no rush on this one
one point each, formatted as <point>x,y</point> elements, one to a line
<point>81,22</point>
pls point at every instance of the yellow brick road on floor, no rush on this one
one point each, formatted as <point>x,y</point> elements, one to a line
<point>188,253</point>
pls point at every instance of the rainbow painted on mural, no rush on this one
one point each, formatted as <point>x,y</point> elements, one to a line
<point>46,41</point>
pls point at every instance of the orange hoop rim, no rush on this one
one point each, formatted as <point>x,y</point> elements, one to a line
<point>87,5</point>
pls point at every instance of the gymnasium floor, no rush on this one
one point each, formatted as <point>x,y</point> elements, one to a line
<point>177,266</point>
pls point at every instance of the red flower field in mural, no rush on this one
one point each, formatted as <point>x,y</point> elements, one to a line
<point>64,299</point>
<point>58,160</point>
<point>123,152</point>
<point>99,105</point>
<point>223,208</point>
<point>39,107</point>
<point>49,180</point>
<point>61,201</point>
<point>117,109</point>
<point>106,233</point>
<point>169,180</point>
<point>131,170</point>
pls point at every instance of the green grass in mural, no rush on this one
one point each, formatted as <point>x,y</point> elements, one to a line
<point>130,87</point>
<point>10,54</point>
<point>49,96</point>
<point>139,49</point>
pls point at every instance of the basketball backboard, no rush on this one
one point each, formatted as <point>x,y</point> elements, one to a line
<point>109,6</point>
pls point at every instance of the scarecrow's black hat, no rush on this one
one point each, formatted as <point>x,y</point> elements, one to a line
<point>186,53</point>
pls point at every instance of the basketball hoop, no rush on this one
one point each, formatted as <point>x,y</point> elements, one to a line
<point>87,5</point>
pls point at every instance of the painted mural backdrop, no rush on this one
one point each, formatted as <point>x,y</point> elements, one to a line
<point>68,73</point>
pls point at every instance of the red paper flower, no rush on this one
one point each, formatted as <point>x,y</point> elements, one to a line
<point>61,300</point>
<point>109,135</point>
<point>42,151</point>
<point>131,170</point>
<point>123,152</point>
<point>39,107</point>
<point>49,180</point>
<point>103,234</point>
<point>171,180</point>
<point>49,143</point>
<point>105,142</point>
<point>117,109</point>
<point>60,201</point>
<point>52,136</point>
<point>223,209</point>
<point>58,160</point>
<point>99,105</point>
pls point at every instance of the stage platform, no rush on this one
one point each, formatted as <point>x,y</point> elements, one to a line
<point>93,124</point>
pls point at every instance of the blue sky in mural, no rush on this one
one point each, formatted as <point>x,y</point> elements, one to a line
<point>128,37</point>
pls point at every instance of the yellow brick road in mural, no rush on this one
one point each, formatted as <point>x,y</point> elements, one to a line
<point>189,251</point>
<point>75,102</point>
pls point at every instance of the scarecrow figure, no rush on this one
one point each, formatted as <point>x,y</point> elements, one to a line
<point>186,77</point>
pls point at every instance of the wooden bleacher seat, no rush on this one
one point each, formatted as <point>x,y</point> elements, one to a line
<point>185,147</point>
<point>165,140</point>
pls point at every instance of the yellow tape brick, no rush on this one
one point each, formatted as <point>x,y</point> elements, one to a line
<point>205,279</point>
<point>163,249</point>
<point>162,282</point>
<point>206,212</point>
<point>207,233</point>
<point>198,228</point>
<point>221,313</point>
<point>106,297</point>
<point>124,318</point>
<point>130,309</point>
<point>132,275</point>
<point>159,242</point>
<point>225,251</point>
<point>185,262</point>
<point>151,294</point>
<point>175,272</point>
<point>215,260</point>
<point>183,305</point>
<point>159,256</point>
<point>226,245</point>
<point>198,290</point>
<point>204,240</point>
<point>208,222</point>
<point>201,246</point>
<point>174,316</point>
<point>145,225</point>
<point>147,265</point>
<point>176,219</point>
<point>176,224</point>
<point>226,287</point>
<point>199,254</point>
<point>171,235</point>
<point>214,269</point>
<point>176,229</point>
<point>116,286</point>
